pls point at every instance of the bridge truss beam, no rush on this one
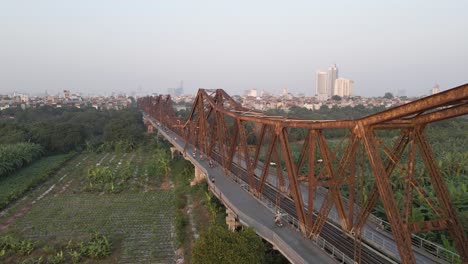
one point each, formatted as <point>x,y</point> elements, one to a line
<point>263,144</point>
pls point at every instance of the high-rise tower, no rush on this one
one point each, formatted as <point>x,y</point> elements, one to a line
<point>343,87</point>
<point>321,81</point>
<point>332,76</point>
<point>435,89</point>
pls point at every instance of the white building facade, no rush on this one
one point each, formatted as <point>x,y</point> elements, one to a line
<point>343,87</point>
<point>332,76</point>
<point>321,81</point>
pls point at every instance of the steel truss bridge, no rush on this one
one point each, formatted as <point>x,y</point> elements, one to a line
<point>372,157</point>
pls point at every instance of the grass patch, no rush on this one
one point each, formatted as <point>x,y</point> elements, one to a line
<point>182,172</point>
<point>137,222</point>
<point>14,186</point>
<point>96,247</point>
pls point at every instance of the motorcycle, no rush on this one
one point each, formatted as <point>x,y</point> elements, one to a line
<point>278,220</point>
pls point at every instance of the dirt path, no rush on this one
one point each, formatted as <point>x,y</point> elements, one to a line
<point>12,218</point>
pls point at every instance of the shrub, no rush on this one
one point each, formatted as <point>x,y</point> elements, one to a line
<point>25,247</point>
<point>98,247</point>
<point>56,259</point>
<point>33,260</point>
<point>181,223</point>
<point>219,245</point>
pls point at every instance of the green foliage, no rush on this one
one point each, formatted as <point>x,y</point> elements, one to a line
<point>336,98</point>
<point>98,247</point>
<point>48,249</point>
<point>325,113</point>
<point>75,256</point>
<point>219,245</point>
<point>25,247</point>
<point>34,260</point>
<point>56,259</point>
<point>181,180</point>
<point>212,205</point>
<point>160,162</point>
<point>100,177</point>
<point>104,179</point>
<point>181,222</point>
<point>9,245</point>
<point>15,156</point>
<point>388,95</point>
<point>181,199</point>
<point>61,130</point>
<point>12,187</point>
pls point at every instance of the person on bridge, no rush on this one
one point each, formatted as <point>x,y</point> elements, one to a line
<point>210,163</point>
<point>278,220</point>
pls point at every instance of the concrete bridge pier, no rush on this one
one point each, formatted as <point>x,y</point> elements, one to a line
<point>232,220</point>
<point>200,176</point>
<point>174,150</point>
<point>149,127</point>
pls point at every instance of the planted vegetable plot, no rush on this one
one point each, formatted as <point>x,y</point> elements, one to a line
<point>136,219</point>
<point>12,187</point>
<point>141,221</point>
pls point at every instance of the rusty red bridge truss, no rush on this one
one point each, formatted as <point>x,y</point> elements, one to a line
<point>372,157</point>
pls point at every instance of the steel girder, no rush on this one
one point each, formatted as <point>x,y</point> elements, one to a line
<point>217,123</point>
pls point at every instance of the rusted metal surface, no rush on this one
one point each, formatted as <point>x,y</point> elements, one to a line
<point>217,123</point>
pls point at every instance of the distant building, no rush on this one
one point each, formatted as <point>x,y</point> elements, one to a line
<point>321,80</point>
<point>332,76</point>
<point>435,89</point>
<point>401,92</point>
<point>343,87</point>
<point>252,92</point>
<point>175,91</point>
<point>21,97</point>
<point>285,91</point>
<point>66,94</point>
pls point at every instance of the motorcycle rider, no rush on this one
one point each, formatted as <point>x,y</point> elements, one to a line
<point>278,220</point>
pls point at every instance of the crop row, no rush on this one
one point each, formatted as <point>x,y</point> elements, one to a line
<point>15,156</point>
<point>14,186</point>
<point>144,220</point>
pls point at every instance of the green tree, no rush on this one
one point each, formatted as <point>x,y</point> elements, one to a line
<point>336,98</point>
<point>219,245</point>
<point>388,95</point>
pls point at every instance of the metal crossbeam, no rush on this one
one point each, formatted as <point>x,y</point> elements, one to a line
<point>218,124</point>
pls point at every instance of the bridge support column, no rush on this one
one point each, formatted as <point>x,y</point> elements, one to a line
<point>232,220</point>
<point>173,150</point>
<point>199,177</point>
<point>149,127</point>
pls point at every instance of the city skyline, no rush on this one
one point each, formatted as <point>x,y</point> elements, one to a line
<point>149,46</point>
<point>344,87</point>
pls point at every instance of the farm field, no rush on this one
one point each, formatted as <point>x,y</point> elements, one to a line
<point>136,217</point>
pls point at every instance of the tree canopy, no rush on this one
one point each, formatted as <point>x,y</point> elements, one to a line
<point>61,130</point>
<point>219,245</point>
<point>388,95</point>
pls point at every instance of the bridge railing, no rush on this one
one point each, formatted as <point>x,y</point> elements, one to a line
<point>261,229</point>
<point>418,242</point>
<point>425,245</point>
<point>429,247</point>
<point>294,223</point>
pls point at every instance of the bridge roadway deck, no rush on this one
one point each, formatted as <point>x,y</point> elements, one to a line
<point>271,232</point>
<point>253,213</point>
<point>381,240</point>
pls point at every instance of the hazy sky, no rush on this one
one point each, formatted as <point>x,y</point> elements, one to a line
<point>110,45</point>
